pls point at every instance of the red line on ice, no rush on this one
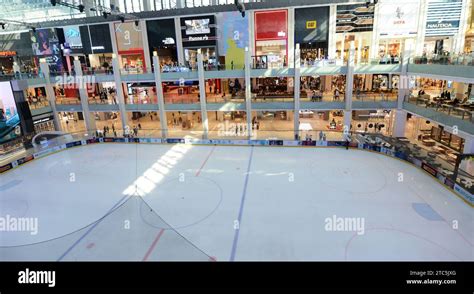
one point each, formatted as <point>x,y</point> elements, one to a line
<point>153,245</point>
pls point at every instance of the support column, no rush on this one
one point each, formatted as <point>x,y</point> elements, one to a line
<point>114,42</point>
<point>469,145</point>
<point>90,126</point>
<point>404,84</point>
<point>50,95</point>
<point>420,37</point>
<point>119,92</point>
<point>463,26</point>
<point>248,93</point>
<point>202,94</point>
<point>374,44</point>
<point>251,33</point>
<point>146,50</point>
<point>291,37</point>
<point>159,93</point>
<point>347,122</point>
<point>297,91</point>
<point>350,77</point>
<point>400,123</point>
<point>332,31</point>
<point>359,50</point>
<point>179,41</point>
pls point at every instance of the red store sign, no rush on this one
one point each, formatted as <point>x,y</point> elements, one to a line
<point>271,25</point>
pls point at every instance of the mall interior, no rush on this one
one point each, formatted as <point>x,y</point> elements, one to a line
<point>202,69</point>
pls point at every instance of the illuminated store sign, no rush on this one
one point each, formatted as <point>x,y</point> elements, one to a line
<point>443,18</point>
<point>7,53</point>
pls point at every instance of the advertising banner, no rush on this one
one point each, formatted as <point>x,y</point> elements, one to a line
<point>9,117</point>
<point>291,143</point>
<point>275,142</point>
<point>73,144</point>
<point>311,24</point>
<point>355,18</point>
<point>431,170</point>
<point>465,194</point>
<point>198,31</point>
<point>271,25</point>
<point>5,167</point>
<point>175,141</point>
<point>25,159</point>
<point>129,36</point>
<point>443,17</point>
<point>398,18</point>
<point>72,35</point>
<point>233,33</point>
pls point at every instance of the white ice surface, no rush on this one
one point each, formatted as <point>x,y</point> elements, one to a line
<point>289,194</point>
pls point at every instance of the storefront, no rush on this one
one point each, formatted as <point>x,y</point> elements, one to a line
<point>434,138</point>
<point>234,35</point>
<point>162,39</point>
<point>141,93</point>
<point>271,37</point>
<point>397,22</point>
<point>354,23</point>
<point>7,59</point>
<point>372,121</point>
<point>97,45</point>
<point>440,30</point>
<point>130,46</point>
<point>311,32</point>
<point>199,33</point>
<point>44,122</point>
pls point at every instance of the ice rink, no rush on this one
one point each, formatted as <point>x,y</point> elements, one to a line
<point>183,202</point>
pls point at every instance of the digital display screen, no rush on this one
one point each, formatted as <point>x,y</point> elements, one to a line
<point>9,118</point>
<point>197,26</point>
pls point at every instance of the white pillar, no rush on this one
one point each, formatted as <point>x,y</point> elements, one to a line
<point>332,31</point>
<point>179,40</point>
<point>347,121</point>
<point>350,77</point>
<point>400,123</point>
<point>463,26</point>
<point>420,37</point>
<point>114,42</point>
<point>291,37</point>
<point>146,48</point>
<point>468,145</point>
<point>251,33</point>
<point>374,43</point>
<point>297,84</point>
<point>404,84</point>
<point>248,93</point>
<point>84,96</point>
<point>159,93</point>
<point>119,91</point>
<point>50,95</point>
<point>202,94</point>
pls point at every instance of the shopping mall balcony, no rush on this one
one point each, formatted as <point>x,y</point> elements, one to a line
<point>458,115</point>
<point>456,66</point>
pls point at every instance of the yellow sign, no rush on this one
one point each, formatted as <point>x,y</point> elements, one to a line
<point>311,24</point>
